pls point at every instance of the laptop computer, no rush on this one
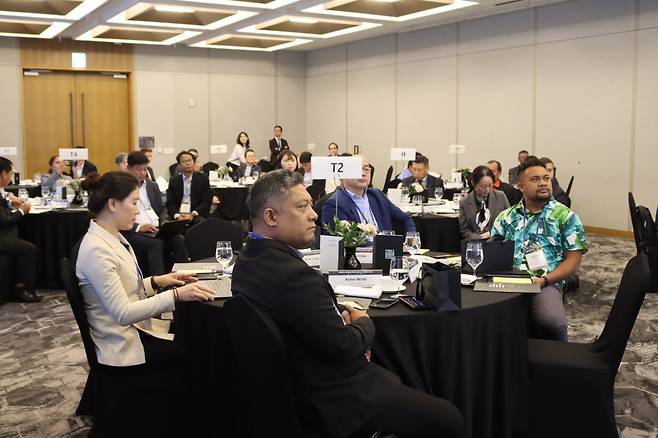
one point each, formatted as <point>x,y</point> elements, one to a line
<point>498,257</point>
<point>169,229</point>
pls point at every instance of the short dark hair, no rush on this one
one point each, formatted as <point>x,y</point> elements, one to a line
<point>422,159</point>
<point>479,173</point>
<point>181,153</point>
<point>136,158</point>
<point>6,165</point>
<point>120,157</point>
<point>271,186</point>
<point>145,150</point>
<point>498,165</point>
<point>285,153</point>
<point>523,151</point>
<point>237,140</point>
<point>333,143</point>
<point>113,185</point>
<point>305,157</point>
<point>278,126</point>
<point>546,160</point>
<point>249,150</point>
<point>531,161</point>
<point>345,154</point>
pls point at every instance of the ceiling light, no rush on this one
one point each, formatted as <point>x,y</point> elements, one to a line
<point>457,4</point>
<point>175,9</point>
<point>305,20</point>
<point>386,1</point>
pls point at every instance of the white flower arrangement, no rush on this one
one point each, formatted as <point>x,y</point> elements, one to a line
<point>416,189</point>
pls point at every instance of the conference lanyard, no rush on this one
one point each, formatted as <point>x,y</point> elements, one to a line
<point>539,229</point>
<point>362,215</point>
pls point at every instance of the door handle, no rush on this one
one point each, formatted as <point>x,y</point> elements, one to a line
<point>84,133</point>
<point>71,115</point>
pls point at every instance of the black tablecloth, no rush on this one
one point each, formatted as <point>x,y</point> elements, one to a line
<point>476,358</point>
<point>233,203</point>
<point>54,234</point>
<point>32,191</point>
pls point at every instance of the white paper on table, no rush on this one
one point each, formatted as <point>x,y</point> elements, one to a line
<point>357,303</point>
<point>162,183</point>
<point>424,259</point>
<point>468,279</point>
<point>373,292</point>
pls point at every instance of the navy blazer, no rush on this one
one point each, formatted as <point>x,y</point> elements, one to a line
<point>384,210</point>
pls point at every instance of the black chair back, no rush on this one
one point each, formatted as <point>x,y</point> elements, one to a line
<point>210,165</point>
<point>568,191</point>
<point>372,175</point>
<point>201,239</point>
<point>387,180</point>
<point>173,169</point>
<point>317,207</point>
<point>635,283</point>
<point>261,357</point>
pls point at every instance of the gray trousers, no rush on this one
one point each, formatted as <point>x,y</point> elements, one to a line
<point>547,315</point>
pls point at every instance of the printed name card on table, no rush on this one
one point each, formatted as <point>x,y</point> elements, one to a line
<point>74,154</point>
<point>364,283</point>
<point>403,154</point>
<point>336,167</point>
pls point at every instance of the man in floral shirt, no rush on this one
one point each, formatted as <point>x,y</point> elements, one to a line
<point>549,241</point>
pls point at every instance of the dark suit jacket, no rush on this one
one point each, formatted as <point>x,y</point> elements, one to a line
<point>153,192</point>
<point>316,189</point>
<point>336,388</point>
<point>276,150</point>
<point>513,194</point>
<point>513,174</point>
<point>384,210</point>
<point>243,168</point>
<point>432,183</point>
<point>559,194</point>
<point>8,222</point>
<point>87,168</point>
<point>151,173</point>
<point>200,195</point>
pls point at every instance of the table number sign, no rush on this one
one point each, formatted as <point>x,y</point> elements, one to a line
<point>8,152</point>
<point>74,154</point>
<point>336,167</point>
<point>403,154</point>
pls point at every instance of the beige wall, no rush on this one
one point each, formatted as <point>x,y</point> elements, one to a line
<point>575,81</point>
<point>10,100</point>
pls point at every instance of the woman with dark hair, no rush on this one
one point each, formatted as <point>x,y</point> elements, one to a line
<point>479,209</point>
<point>287,160</point>
<point>119,302</point>
<point>55,173</point>
<point>241,145</point>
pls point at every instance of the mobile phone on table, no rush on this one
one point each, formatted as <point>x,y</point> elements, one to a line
<point>383,303</point>
<point>414,303</point>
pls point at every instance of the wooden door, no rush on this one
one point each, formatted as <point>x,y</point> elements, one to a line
<point>48,118</point>
<point>103,116</point>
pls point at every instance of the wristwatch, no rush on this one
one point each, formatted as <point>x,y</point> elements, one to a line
<point>546,280</point>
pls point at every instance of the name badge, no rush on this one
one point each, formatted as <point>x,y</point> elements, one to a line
<point>185,208</point>
<point>536,260</point>
<point>152,216</point>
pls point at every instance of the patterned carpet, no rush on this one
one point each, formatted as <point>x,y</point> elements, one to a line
<point>43,366</point>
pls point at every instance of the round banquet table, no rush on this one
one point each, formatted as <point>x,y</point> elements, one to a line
<point>476,358</point>
<point>232,203</point>
<point>54,233</point>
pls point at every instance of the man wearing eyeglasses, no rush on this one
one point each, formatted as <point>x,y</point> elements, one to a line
<point>358,203</point>
<point>549,241</point>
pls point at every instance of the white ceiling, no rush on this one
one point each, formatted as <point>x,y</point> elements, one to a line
<point>241,24</point>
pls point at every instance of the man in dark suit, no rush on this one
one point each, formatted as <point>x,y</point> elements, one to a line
<point>420,174</point>
<point>22,251</point>
<point>315,187</point>
<point>152,252</point>
<point>249,166</point>
<point>513,194</point>
<point>558,193</point>
<point>514,171</point>
<point>149,154</point>
<point>339,391</point>
<point>358,203</point>
<point>189,195</point>
<point>277,144</point>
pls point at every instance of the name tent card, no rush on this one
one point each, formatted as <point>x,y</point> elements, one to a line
<point>336,167</point>
<point>74,154</point>
<point>331,253</point>
<point>403,154</point>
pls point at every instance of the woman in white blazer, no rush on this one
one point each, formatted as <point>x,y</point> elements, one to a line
<point>479,209</point>
<point>118,300</point>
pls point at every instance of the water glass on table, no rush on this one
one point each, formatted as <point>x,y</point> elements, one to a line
<point>224,253</point>
<point>474,255</point>
<point>438,193</point>
<point>23,195</point>
<point>399,272</point>
<point>412,242</point>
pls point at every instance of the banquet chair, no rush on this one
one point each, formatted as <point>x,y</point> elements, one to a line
<point>571,384</point>
<point>210,165</point>
<point>7,282</point>
<point>569,186</point>
<point>260,353</point>
<point>387,180</point>
<point>201,239</point>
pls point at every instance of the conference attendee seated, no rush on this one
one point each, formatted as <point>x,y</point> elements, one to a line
<point>241,146</point>
<point>150,251</point>
<point>81,168</point>
<point>188,195</point>
<point>119,301</point>
<point>514,171</point>
<point>559,194</point>
<point>121,161</point>
<point>420,168</point>
<point>149,154</point>
<point>315,187</point>
<point>480,208</point>
<point>333,149</point>
<point>55,173</point>
<point>250,165</point>
<point>549,241</point>
<point>287,160</point>
<point>21,251</point>
<point>277,145</point>
<point>338,390</point>
<point>358,203</point>
<point>513,194</point>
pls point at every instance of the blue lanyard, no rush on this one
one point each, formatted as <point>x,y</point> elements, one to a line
<point>539,228</point>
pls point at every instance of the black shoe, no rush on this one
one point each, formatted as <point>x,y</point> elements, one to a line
<point>27,296</point>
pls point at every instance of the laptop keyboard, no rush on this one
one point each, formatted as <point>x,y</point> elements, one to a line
<point>221,287</point>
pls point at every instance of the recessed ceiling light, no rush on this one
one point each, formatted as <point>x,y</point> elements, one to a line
<point>306,20</point>
<point>176,9</point>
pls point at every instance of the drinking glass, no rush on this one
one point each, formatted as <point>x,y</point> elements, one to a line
<point>418,200</point>
<point>45,194</point>
<point>255,174</point>
<point>438,193</point>
<point>474,254</point>
<point>85,197</point>
<point>455,197</point>
<point>224,253</point>
<point>22,194</point>
<point>412,242</point>
<point>399,272</point>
